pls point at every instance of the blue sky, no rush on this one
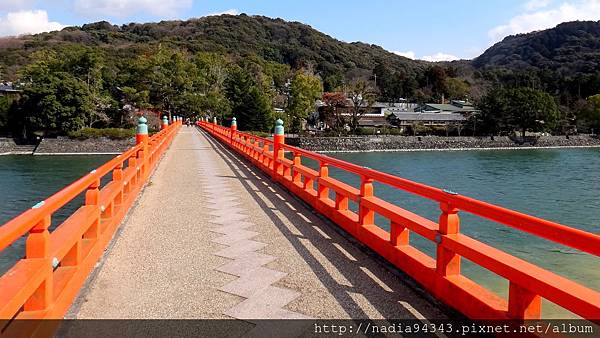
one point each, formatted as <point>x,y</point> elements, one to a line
<point>431,30</point>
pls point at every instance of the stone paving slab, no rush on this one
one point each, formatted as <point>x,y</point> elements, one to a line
<point>213,237</point>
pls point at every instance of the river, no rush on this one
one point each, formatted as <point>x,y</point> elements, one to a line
<point>561,185</point>
<point>556,184</point>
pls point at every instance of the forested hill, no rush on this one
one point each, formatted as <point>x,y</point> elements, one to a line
<point>277,40</point>
<point>569,48</point>
<point>225,65</point>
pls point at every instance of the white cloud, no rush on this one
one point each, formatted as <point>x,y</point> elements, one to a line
<point>127,8</point>
<point>409,54</point>
<point>27,22</point>
<point>532,5</point>
<point>440,57</point>
<point>13,5</point>
<point>232,11</point>
<point>547,17</point>
<point>431,58</point>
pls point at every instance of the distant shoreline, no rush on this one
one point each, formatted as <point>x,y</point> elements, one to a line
<point>437,143</point>
<point>454,149</point>
<point>368,144</point>
<point>64,146</point>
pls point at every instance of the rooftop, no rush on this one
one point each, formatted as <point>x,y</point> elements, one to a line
<point>418,116</point>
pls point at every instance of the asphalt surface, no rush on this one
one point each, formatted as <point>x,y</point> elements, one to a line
<point>212,237</point>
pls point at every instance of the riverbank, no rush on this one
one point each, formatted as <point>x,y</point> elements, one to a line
<point>434,143</point>
<point>68,146</point>
<point>106,146</point>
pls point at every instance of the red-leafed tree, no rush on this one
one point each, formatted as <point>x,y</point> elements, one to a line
<point>331,113</point>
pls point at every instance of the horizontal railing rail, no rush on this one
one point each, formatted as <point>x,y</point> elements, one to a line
<point>45,282</point>
<point>440,275</point>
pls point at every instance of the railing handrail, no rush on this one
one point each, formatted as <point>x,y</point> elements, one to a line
<point>441,275</point>
<point>553,231</point>
<point>20,225</point>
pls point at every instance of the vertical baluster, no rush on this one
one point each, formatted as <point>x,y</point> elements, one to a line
<point>399,234</point>
<point>118,177</point>
<point>132,163</point>
<point>448,262</point>
<point>341,202</point>
<point>323,191</point>
<point>37,245</point>
<point>92,197</point>
<point>522,303</point>
<point>265,160</point>
<point>366,216</point>
<point>296,176</point>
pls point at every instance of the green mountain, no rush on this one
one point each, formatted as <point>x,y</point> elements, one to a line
<point>277,40</point>
<point>569,49</point>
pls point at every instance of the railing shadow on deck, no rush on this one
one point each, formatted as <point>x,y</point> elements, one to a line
<point>397,298</point>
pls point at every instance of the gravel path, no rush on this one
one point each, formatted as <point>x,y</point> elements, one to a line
<point>212,237</point>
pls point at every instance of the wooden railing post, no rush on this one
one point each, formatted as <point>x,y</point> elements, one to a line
<point>132,162</point>
<point>264,158</point>
<point>322,190</point>
<point>522,303</point>
<point>296,176</point>
<point>278,140</point>
<point>92,197</point>
<point>366,216</point>
<point>399,234</point>
<point>37,245</point>
<point>165,123</point>
<point>233,130</point>
<point>141,137</point>
<point>448,262</point>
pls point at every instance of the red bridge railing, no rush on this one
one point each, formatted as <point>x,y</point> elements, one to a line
<point>441,276</point>
<point>45,282</point>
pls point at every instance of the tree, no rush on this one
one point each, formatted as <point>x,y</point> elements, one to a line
<point>436,80</point>
<point>305,90</point>
<point>249,103</point>
<point>168,76</point>
<point>531,109</point>
<point>524,109</point>
<point>590,114</point>
<point>456,89</point>
<point>493,107</point>
<point>331,113</point>
<point>55,102</point>
<point>53,99</point>
<point>212,72</point>
<point>362,94</point>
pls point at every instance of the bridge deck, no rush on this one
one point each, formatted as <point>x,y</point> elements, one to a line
<point>212,237</point>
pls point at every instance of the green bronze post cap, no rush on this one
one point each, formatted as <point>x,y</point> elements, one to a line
<point>279,127</point>
<point>234,121</point>
<point>142,127</point>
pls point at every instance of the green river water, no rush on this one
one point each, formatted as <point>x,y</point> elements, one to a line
<point>561,185</point>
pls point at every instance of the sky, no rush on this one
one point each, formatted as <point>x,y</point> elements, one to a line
<point>432,30</point>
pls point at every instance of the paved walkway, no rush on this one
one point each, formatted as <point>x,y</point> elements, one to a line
<point>212,237</point>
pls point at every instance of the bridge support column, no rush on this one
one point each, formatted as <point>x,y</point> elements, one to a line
<point>278,140</point>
